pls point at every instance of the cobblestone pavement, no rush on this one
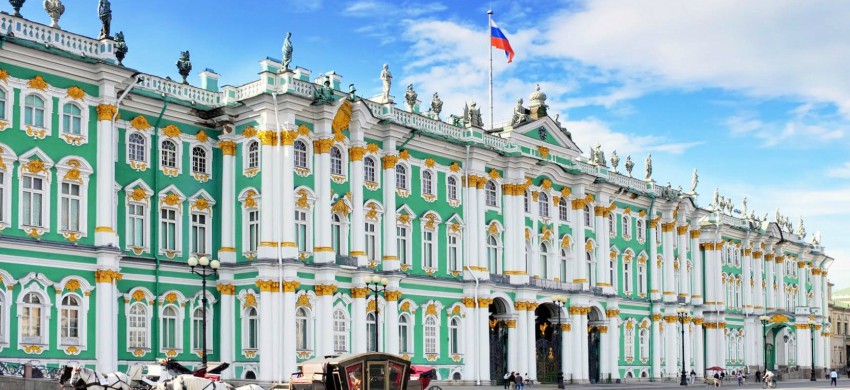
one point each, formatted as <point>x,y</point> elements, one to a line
<point>843,383</point>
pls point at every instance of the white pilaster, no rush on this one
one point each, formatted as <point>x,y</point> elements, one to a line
<point>227,252</point>
<point>668,277</point>
<point>390,258</point>
<point>513,345</point>
<point>104,233</point>
<point>654,266</point>
<point>107,349</point>
<point>699,353</point>
<point>471,338</point>
<point>227,325</point>
<point>530,339</point>
<point>323,251</point>
<point>287,195</point>
<point>614,343</point>
<point>684,288</point>
<point>391,319</point>
<point>656,345</point>
<point>288,361</point>
<point>581,275</point>
<point>484,344</point>
<point>267,347</point>
<point>358,319</point>
<point>697,261</point>
<point>267,248</point>
<point>522,330</point>
<point>358,235</point>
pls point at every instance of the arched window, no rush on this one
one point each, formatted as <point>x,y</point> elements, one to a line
<point>70,326</point>
<point>591,276</point>
<point>371,331</point>
<point>136,147</point>
<point>644,344</point>
<point>612,226</point>
<point>369,169</point>
<point>544,261</point>
<point>562,269</point>
<point>336,234</point>
<point>627,227</point>
<point>627,278</point>
<point>71,119</point>
<point>526,202</point>
<point>588,217</point>
<point>427,183</point>
<point>198,328</point>
<point>641,235</point>
<point>336,161</point>
<point>493,254</point>
<point>2,104</point>
<point>300,148</point>
<point>454,336</point>
<point>301,330</point>
<point>404,336</point>
<point>543,205</point>
<point>252,329</point>
<point>563,210</point>
<point>629,342</point>
<point>340,331</point>
<point>301,230</point>
<point>641,279</point>
<point>253,154</point>
<point>490,193</point>
<point>400,177</point>
<point>199,160</point>
<point>169,327</point>
<point>430,335</point>
<point>34,111</point>
<point>169,154</point>
<point>31,318</point>
<point>138,326</point>
<point>452,188</point>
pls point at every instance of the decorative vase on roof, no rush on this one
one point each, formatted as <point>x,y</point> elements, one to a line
<point>54,9</point>
<point>16,5</point>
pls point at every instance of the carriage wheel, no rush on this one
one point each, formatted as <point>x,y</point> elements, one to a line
<point>435,388</point>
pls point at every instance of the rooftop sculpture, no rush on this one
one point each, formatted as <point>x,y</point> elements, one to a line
<point>287,51</point>
<point>104,11</point>
<point>184,65</point>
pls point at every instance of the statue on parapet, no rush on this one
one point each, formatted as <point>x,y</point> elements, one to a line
<point>352,92</point>
<point>436,106</point>
<point>472,115</point>
<point>325,93</point>
<point>648,164</point>
<point>184,65</point>
<point>287,51</point>
<point>410,97</point>
<point>694,183</point>
<point>629,164</point>
<point>121,48</point>
<point>520,114</point>
<point>615,160</point>
<point>104,11</point>
<point>54,9</point>
<point>597,156</point>
<point>387,80</point>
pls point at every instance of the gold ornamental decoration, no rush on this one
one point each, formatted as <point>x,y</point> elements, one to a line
<point>201,204</point>
<point>304,130</point>
<point>355,153</point>
<point>139,295</point>
<point>228,148</point>
<point>429,162</point>
<point>38,83</point>
<point>268,137</point>
<point>290,286</point>
<point>544,151</point>
<point>389,161</point>
<point>404,154</point>
<point>76,93</point>
<point>250,301</point>
<point>72,285</point>
<point>250,202</point>
<point>171,130</point>
<point>321,146</point>
<point>105,112</point>
<point>303,301</point>
<point>4,76</point>
<point>202,136</point>
<point>431,309</point>
<point>454,167</point>
<point>342,117</point>
<point>35,166</point>
<point>392,295</point>
<point>372,148</point>
<point>249,132</point>
<point>138,194</point>
<point>494,174</point>
<point>171,297</point>
<point>325,289</point>
<point>171,199</point>
<point>359,292</point>
<point>140,123</point>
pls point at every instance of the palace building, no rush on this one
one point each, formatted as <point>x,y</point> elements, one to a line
<point>111,178</point>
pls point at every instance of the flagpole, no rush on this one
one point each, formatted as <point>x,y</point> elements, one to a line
<point>489,34</point>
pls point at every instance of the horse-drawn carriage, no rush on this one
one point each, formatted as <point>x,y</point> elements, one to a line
<point>365,371</point>
<point>167,374</point>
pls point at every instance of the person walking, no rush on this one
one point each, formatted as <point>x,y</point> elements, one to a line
<point>512,381</point>
<point>740,377</point>
<point>693,377</point>
<point>518,380</point>
<point>507,375</point>
<point>758,376</point>
<point>833,378</point>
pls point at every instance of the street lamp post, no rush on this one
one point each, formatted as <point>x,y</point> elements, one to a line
<point>374,285</point>
<point>683,315</point>
<point>560,300</point>
<point>764,321</point>
<point>812,332</point>
<point>204,268</point>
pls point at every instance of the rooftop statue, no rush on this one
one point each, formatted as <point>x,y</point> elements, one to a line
<point>387,79</point>
<point>120,47</point>
<point>352,92</point>
<point>54,9</point>
<point>472,114</point>
<point>325,93</point>
<point>184,65</point>
<point>104,11</point>
<point>615,160</point>
<point>744,206</point>
<point>287,51</point>
<point>520,114</point>
<point>597,156</point>
<point>16,5</point>
<point>410,96</point>
<point>648,167</point>
<point>629,165</point>
<point>436,106</point>
<point>694,182</point>
<point>801,230</point>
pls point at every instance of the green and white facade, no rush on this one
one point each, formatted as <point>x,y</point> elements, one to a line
<point>103,198</point>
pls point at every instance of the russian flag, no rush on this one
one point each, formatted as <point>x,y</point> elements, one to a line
<point>499,41</point>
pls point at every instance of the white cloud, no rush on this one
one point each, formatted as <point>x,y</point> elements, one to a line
<point>592,131</point>
<point>304,5</point>
<point>842,172</point>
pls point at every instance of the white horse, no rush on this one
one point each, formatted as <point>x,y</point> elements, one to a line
<point>96,381</point>
<point>250,387</point>
<point>191,382</point>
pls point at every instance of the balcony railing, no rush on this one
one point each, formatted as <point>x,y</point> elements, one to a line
<point>59,39</point>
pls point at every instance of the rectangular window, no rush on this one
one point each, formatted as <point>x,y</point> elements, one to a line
<point>371,241</point>
<point>33,194</point>
<point>428,249</point>
<point>70,203</point>
<point>454,250</point>
<point>198,333</point>
<point>168,229</point>
<point>301,230</point>
<point>199,233</point>
<point>401,242</point>
<point>169,336</point>
<point>253,229</point>
<point>70,324</point>
<point>2,196</point>
<point>136,225</point>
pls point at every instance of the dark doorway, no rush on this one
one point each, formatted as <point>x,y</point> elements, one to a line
<point>593,338</point>
<point>547,345</point>
<point>498,341</point>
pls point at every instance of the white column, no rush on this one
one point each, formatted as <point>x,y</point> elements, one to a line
<point>390,259</point>
<point>267,249</point>
<point>358,235</point>
<point>601,250</point>
<point>469,217</point>
<point>484,344</point>
<point>686,357</point>
<point>750,340</point>
<point>323,251</point>
<point>699,354</point>
<point>288,361</point>
<point>802,297</point>
<point>585,347</point>
<point>534,241</point>
<point>769,290</point>
<point>711,344</point>
<point>580,265</point>
<point>684,274</point>
<point>654,267</point>
<point>105,234</point>
<point>267,346</point>
<point>656,344</point>
<point>287,196</point>
<point>522,330</point>
<point>324,323</point>
<point>471,334</point>
<point>670,322</point>
<point>480,229</point>
<point>107,349</point>
<point>668,277</point>
<point>227,252</point>
<point>567,351</point>
<point>747,288</point>
<point>508,212</point>
<point>604,353</point>
<point>614,343</point>
<point>513,344</point>
<point>358,320</point>
<point>227,325</point>
<point>758,290</point>
<point>696,260</point>
<point>391,321</point>
<point>532,350</point>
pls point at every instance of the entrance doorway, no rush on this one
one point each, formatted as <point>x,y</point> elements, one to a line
<point>594,318</point>
<point>498,340</point>
<point>547,338</point>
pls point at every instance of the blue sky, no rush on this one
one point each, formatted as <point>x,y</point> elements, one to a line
<point>756,95</point>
